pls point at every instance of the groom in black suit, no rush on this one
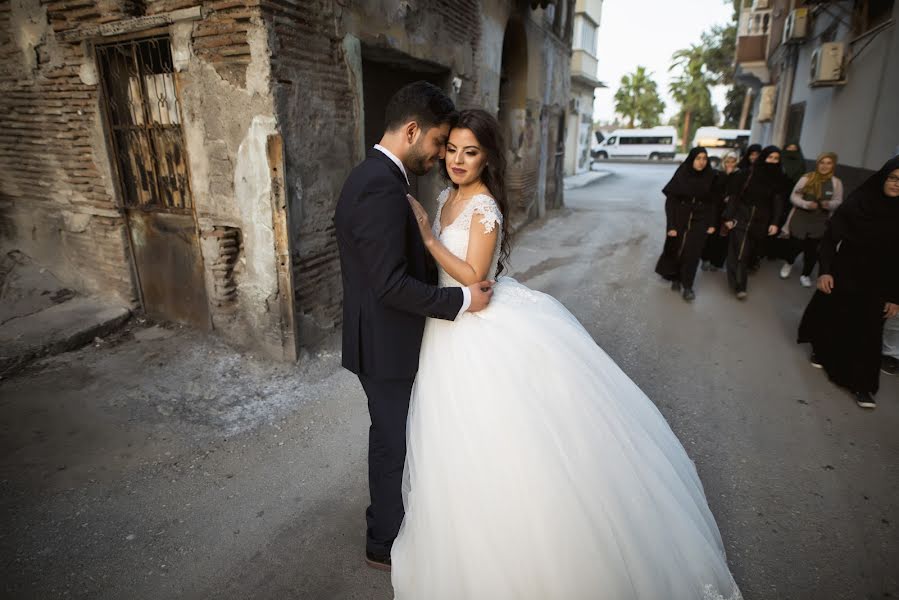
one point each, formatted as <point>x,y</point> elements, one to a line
<point>389,288</point>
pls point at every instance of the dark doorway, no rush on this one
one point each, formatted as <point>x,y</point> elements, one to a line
<point>143,118</point>
<point>385,71</point>
<point>513,116</point>
<point>795,116</point>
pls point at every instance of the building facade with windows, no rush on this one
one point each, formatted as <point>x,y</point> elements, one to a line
<point>584,64</point>
<point>186,156</point>
<point>824,74</point>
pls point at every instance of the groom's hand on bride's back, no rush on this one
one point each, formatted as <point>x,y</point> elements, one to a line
<point>480,295</point>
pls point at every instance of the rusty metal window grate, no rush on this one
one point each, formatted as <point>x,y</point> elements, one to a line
<point>144,119</point>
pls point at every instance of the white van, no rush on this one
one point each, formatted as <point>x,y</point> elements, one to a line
<point>655,144</point>
<point>721,141</point>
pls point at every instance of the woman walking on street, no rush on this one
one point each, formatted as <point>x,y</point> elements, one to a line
<point>815,197</point>
<point>793,162</point>
<point>858,287</point>
<point>692,211</point>
<point>753,210</point>
<point>749,157</point>
<point>715,251</point>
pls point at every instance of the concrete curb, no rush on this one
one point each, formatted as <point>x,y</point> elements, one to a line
<point>584,179</point>
<point>56,329</point>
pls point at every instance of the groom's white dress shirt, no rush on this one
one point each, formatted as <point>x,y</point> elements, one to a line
<point>466,293</point>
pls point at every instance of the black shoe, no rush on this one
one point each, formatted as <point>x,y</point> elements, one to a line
<point>706,265</point>
<point>675,285</point>
<point>865,400</point>
<point>889,365</point>
<point>815,362</point>
<point>689,294</point>
<point>377,561</point>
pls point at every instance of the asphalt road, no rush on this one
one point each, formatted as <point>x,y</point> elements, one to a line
<point>163,464</point>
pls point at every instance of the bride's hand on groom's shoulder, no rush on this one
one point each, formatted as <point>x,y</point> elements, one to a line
<point>421,216</point>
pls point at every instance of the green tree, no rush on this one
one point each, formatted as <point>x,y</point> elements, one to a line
<point>691,90</point>
<point>720,46</point>
<point>637,99</point>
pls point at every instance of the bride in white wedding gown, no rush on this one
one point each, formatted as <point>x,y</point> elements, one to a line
<point>535,468</point>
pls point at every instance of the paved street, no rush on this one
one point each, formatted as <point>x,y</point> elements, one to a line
<point>157,464</point>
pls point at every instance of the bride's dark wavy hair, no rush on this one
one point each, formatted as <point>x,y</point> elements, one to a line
<point>486,130</point>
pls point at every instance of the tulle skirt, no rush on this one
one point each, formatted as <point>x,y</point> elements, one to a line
<point>536,469</point>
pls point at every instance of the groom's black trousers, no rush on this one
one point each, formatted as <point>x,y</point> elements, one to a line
<point>388,406</point>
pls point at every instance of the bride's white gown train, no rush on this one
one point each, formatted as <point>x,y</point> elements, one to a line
<point>536,469</point>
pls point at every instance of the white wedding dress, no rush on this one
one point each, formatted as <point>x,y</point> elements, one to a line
<point>536,469</point>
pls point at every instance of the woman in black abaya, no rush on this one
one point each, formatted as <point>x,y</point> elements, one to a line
<point>749,157</point>
<point>715,251</point>
<point>692,206</point>
<point>756,200</point>
<point>858,286</point>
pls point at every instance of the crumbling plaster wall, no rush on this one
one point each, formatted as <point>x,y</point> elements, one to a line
<point>317,48</point>
<point>57,182</point>
<point>316,74</point>
<point>227,119</point>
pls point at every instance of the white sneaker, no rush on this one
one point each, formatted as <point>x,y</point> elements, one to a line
<point>786,270</point>
<point>804,280</point>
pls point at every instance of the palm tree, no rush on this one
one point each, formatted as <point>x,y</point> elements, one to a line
<point>691,88</point>
<point>637,99</point>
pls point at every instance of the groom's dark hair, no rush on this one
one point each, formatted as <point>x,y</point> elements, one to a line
<point>422,102</point>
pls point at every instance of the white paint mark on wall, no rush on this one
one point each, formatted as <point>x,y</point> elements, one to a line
<point>252,190</point>
<point>260,67</point>
<point>181,48</point>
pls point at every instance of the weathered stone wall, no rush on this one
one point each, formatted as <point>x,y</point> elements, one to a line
<point>55,188</point>
<point>314,103</point>
<point>318,49</point>
<point>250,74</point>
<point>57,181</point>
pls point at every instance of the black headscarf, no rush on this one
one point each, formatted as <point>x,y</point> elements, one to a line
<point>744,160</point>
<point>687,181</point>
<point>760,180</point>
<point>770,175</point>
<point>868,216</point>
<point>793,162</point>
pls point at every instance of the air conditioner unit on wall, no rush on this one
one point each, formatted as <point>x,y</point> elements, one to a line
<point>767,102</point>
<point>827,64</point>
<point>761,4</point>
<point>796,26</point>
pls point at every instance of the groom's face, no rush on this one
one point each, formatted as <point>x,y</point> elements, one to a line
<point>428,148</point>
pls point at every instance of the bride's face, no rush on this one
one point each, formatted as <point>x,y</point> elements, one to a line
<point>465,159</point>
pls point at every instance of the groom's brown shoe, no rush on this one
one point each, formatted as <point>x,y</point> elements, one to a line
<point>377,561</point>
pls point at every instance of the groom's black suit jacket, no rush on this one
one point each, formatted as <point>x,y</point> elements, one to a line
<point>389,279</point>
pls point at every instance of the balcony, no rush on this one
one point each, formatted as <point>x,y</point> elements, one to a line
<point>583,68</point>
<point>592,8</point>
<point>752,48</point>
<point>753,43</point>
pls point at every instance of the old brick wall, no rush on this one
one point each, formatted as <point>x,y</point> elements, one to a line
<point>316,62</point>
<point>57,182</point>
<point>314,103</point>
<point>55,192</point>
<point>56,187</point>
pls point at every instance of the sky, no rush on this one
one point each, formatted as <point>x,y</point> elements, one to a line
<point>648,32</point>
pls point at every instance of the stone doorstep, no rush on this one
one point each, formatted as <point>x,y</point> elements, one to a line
<point>56,329</point>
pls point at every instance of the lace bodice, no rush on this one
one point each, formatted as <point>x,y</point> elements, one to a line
<point>455,235</point>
